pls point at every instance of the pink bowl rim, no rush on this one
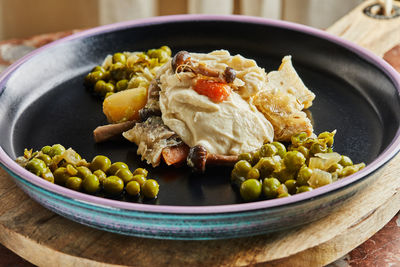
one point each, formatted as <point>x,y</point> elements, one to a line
<point>384,157</point>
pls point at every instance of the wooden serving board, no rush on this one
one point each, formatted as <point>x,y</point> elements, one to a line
<point>46,239</point>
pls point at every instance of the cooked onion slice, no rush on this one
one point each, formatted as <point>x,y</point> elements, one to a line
<point>319,178</point>
<point>324,161</point>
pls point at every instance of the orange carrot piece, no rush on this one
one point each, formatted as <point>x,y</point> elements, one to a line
<point>175,155</point>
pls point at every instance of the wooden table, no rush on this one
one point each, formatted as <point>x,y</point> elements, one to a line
<point>382,249</point>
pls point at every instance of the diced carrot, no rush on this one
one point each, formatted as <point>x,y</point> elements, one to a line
<point>175,155</point>
<point>215,90</point>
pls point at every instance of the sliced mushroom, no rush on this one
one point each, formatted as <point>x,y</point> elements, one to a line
<point>180,59</point>
<point>106,132</point>
<point>198,158</point>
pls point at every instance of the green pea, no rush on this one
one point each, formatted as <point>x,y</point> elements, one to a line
<point>293,160</point>
<point>101,175</point>
<point>133,188</point>
<point>116,166</point>
<point>270,187</point>
<point>268,150</point>
<point>285,174</point>
<point>266,166</point>
<point>250,190</point>
<point>345,161</point>
<point>46,149</point>
<point>282,189</point>
<point>141,171</point>
<point>48,176</point>
<point>118,71</point>
<point>98,75</point>
<point>318,148</point>
<point>125,174</point>
<point>100,87</point>
<point>284,194</point>
<point>303,188</point>
<point>241,168</point>
<point>56,149</point>
<point>150,188</point>
<point>348,170</point>
<point>74,183</point>
<point>281,148</point>
<point>36,166</point>
<point>93,77</point>
<point>303,175</point>
<point>46,158</point>
<point>83,172</point>
<point>119,58</point>
<point>98,68</point>
<point>121,85</point>
<point>71,170</point>
<point>291,186</point>
<point>245,156</point>
<point>61,175</point>
<point>303,150</point>
<point>139,178</point>
<point>161,55</point>
<point>108,88</point>
<point>299,138</point>
<point>113,185</point>
<point>91,183</point>
<point>253,174</point>
<point>100,163</point>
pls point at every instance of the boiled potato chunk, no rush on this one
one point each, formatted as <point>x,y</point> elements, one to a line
<point>125,105</point>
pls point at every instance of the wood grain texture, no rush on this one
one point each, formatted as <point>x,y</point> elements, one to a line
<point>376,35</point>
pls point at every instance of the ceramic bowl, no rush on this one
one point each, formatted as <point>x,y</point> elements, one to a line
<point>43,101</point>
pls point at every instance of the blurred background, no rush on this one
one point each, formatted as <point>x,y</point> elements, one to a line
<point>24,18</point>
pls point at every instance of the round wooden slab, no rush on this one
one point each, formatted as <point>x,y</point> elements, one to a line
<point>45,238</point>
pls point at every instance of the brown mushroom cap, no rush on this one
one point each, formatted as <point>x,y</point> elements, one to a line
<point>229,74</point>
<point>197,158</point>
<point>180,58</point>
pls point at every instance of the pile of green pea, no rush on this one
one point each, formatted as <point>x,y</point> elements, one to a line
<point>65,167</point>
<point>126,70</point>
<point>276,170</point>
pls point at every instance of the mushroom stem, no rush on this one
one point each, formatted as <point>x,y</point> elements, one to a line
<point>106,132</point>
<point>215,159</point>
<point>198,158</point>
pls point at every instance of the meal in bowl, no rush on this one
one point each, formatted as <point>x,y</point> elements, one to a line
<point>215,108</point>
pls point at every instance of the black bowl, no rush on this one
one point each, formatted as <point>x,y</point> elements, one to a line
<point>43,101</point>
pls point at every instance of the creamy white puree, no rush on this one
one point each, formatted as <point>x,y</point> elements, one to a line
<point>229,128</point>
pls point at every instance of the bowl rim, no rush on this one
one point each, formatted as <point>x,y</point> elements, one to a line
<point>390,151</point>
